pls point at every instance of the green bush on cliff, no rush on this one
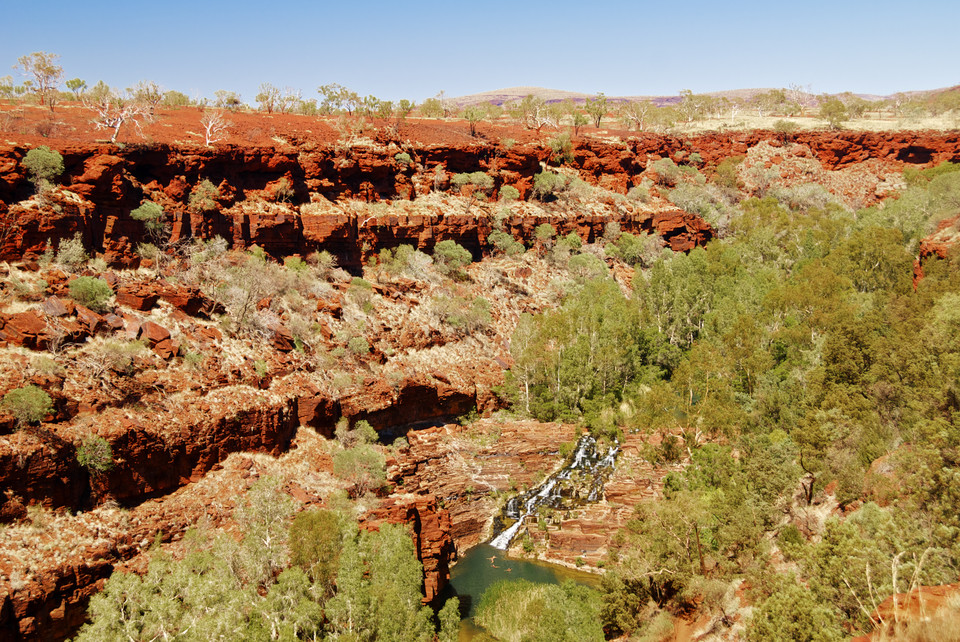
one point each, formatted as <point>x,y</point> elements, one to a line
<point>70,253</point>
<point>44,165</point>
<point>91,292</point>
<point>505,243</point>
<point>151,215</point>
<point>204,197</point>
<point>449,257</point>
<point>509,193</point>
<point>28,405</point>
<point>95,454</point>
<point>361,467</point>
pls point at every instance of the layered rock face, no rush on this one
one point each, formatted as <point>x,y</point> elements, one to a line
<point>106,184</point>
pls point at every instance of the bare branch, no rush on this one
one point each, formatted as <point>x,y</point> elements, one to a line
<point>214,127</point>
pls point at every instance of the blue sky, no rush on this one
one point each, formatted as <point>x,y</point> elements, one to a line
<point>415,49</point>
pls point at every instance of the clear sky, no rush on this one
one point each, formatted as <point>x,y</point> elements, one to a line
<point>414,49</point>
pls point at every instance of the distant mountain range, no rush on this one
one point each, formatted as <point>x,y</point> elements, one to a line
<point>510,94</point>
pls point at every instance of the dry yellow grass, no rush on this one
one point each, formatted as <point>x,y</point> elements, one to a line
<point>746,121</point>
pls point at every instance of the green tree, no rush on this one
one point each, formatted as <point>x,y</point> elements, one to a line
<point>597,107</point>
<point>151,215</point>
<point>378,589</point>
<point>315,542</point>
<point>77,86</point>
<point>834,112</point>
<point>474,114</point>
<point>268,97</point>
<point>516,611</point>
<point>362,467</point>
<point>450,257</point>
<point>45,73</point>
<point>95,454</point>
<point>792,613</point>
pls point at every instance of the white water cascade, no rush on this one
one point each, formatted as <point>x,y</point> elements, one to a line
<point>585,459</point>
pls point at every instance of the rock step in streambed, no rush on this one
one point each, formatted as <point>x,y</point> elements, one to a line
<point>579,481</point>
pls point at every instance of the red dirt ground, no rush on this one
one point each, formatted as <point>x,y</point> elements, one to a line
<point>35,125</point>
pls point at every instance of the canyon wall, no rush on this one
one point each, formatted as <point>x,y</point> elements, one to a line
<point>110,182</point>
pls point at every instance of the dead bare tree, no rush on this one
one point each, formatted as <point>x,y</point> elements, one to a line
<point>114,111</point>
<point>214,127</point>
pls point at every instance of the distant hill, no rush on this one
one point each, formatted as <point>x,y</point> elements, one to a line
<point>510,94</point>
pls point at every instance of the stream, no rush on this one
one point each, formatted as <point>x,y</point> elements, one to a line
<point>580,481</point>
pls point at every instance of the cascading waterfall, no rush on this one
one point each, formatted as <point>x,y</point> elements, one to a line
<point>589,469</point>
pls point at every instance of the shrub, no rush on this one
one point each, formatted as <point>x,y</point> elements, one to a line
<point>478,179</point>
<point>204,197</point>
<point>119,355</point>
<point>463,314</point>
<point>28,405</point>
<point>324,261</point>
<point>834,112</point>
<point>515,610</point>
<point>505,243</point>
<point>403,158</point>
<point>666,170</point>
<point>548,184</point>
<point>562,148</point>
<point>283,192</point>
<point>71,254</point>
<point>95,454</point>
<point>572,241</point>
<point>91,292</point>
<point>726,172</point>
<point>358,345</point>
<point>295,264</point>
<point>544,232</point>
<point>629,248</point>
<point>405,259</point>
<point>509,193</point>
<point>44,164</point>
<point>785,127</point>
<point>449,256</point>
<point>639,193</point>
<point>151,215</point>
<point>363,467</point>
<point>361,291</point>
<point>361,433</point>
<point>695,158</point>
<point>586,267</point>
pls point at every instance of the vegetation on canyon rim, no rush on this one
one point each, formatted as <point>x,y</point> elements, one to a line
<point>117,110</point>
<point>789,356</point>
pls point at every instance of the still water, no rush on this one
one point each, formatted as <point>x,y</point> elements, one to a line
<point>579,481</point>
<point>484,565</point>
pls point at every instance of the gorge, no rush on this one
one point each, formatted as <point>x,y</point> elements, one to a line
<point>202,387</point>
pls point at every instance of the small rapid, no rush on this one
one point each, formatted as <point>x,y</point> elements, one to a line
<point>580,481</point>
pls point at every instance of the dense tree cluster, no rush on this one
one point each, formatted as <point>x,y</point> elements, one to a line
<point>790,355</point>
<point>317,578</point>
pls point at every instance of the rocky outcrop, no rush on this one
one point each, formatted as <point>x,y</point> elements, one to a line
<point>103,184</point>
<point>161,452</point>
<point>939,245</point>
<point>469,467</point>
<point>431,531</point>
